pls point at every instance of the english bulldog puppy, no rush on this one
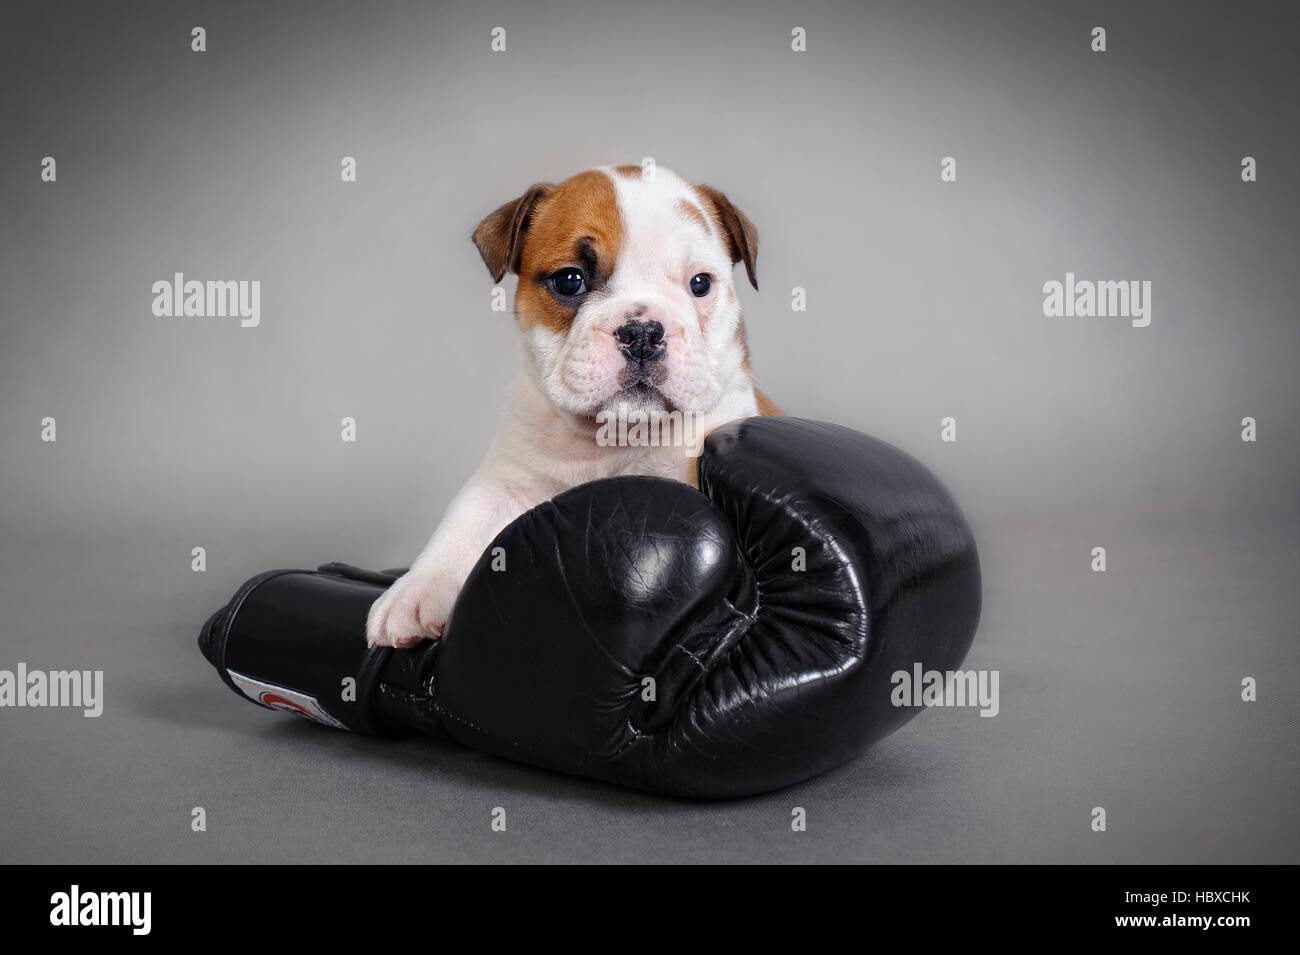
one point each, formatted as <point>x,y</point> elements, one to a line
<point>625,303</point>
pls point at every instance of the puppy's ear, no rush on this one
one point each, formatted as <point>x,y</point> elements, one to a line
<point>500,237</point>
<point>741,234</point>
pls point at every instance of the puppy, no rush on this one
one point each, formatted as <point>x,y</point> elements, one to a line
<point>625,305</point>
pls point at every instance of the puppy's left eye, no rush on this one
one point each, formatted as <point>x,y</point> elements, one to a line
<point>700,285</point>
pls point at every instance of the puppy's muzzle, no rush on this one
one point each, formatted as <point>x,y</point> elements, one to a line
<point>642,343</point>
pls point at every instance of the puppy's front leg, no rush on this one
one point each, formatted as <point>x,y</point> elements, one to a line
<point>416,607</point>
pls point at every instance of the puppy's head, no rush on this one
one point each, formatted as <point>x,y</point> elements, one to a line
<point>626,292</point>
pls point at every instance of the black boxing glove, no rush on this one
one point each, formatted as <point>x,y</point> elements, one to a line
<point>715,643</point>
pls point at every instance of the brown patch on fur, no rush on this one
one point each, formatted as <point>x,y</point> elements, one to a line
<point>742,339</point>
<point>580,213</point>
<point>766,406</point>
<point>629,172</point>
<point>742,237</point>
<point>693,472</point>
<point>691,213</point>
<point>499,236</point>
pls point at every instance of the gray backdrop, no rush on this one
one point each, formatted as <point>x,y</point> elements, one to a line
<point>1119,690</point>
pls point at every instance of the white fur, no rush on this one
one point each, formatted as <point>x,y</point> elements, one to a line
<point>546,442</point>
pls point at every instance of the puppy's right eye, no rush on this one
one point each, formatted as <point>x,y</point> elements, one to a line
<point>568,282</point>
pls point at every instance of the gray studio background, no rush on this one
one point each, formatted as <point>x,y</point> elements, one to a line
<point>1119,690</point>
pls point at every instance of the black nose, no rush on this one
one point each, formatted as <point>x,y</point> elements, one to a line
<point>642,342</point>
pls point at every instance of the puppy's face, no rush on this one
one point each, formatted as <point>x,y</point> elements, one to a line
<point>625,289</point>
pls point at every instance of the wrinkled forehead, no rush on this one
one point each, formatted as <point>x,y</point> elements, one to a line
<point>665,216</point>
<point>605,217</point>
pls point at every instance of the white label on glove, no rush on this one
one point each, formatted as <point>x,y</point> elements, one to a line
<point>284,699</point>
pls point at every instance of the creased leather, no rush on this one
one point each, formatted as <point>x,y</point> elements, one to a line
<point>764,675</point>
<point>710,643</point>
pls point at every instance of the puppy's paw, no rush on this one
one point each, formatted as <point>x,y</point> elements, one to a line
<point>415,608</point>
